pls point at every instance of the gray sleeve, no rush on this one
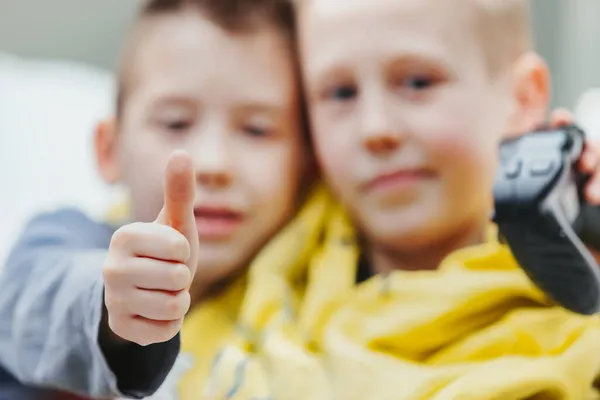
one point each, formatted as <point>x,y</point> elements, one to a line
<point>52,315</point>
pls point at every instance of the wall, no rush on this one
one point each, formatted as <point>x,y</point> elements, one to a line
<point>567,34</point>
<point>81,30</point>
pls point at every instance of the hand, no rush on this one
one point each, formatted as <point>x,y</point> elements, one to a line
<point>590,159</point>
<point>150,266</point>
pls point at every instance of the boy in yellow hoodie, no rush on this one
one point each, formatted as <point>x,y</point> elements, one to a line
<point>409,100</point>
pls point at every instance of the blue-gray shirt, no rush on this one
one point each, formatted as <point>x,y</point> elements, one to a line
<point>53,331</point>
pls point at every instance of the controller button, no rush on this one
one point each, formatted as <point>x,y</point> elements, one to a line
<point>541,167</point>
<point>513,169</point>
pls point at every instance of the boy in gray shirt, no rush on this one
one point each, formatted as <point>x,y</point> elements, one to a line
<point>181,88</point>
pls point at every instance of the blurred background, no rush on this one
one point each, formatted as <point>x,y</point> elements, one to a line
<point>567,35</point>
<point>56,63</point>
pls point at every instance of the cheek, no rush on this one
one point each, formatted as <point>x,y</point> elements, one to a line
<point>271,178</point>
<point>457,138</point>
<point>464,152</point>
<point>457,148</point>
<point>335,150</point>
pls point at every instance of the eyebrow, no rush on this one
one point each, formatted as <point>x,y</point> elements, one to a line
<point>256,107</point>
<point>330,64</point>
<point>247,108</point>
<point>177,100</point>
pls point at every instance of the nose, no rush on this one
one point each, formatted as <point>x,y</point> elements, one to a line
<point>213,160</point>
<point>380,135</point>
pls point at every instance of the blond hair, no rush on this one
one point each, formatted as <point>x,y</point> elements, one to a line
<point>505,29</point>
<point>503,26</point>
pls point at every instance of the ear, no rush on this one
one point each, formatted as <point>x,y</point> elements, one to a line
<point>106,149</point>
<point>531,92</point>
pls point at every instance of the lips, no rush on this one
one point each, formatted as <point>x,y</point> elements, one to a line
<point>399,179</point>
<point>216,222</point>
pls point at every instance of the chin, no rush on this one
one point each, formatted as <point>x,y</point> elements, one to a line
<point>222,259</point>
<point>413,226</point>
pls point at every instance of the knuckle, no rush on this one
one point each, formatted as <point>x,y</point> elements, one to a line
<point>142,332</point>
<point>178,246</point>
<point>179,277</point>
<point>170,330</point>
<point>157,334</point>
<point>118,326</point>
<point>114,304</point>
<point>112,272</point>
<point>161,336</point>
<point>173,307</point>
<point>124,236</point>
<point>177,306</point>
<point>185,301</point>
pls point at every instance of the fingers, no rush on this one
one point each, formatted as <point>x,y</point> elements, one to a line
<point>561,117</point>
<point>180,193</point>
<point>156,241</point>
<point>592,191</point>
<point>146,299</point>
<point>589,164</point>
<point>143,331</point>
<point>147,274</point>
<point>152,305</point>
<point>590,159</point>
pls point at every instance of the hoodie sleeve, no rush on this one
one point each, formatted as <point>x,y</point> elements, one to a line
<point>54,332</point>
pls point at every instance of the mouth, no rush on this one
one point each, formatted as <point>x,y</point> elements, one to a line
<point>217,223</point>
<point>402,179</point>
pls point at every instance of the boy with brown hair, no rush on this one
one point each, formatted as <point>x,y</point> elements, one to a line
<point>208,93</point>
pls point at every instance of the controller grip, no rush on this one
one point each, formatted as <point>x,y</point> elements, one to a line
<point>556,261</point>
<point>587,226</point>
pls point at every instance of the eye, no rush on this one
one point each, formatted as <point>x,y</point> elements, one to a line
<point>178,125</point>
<point>256,131</point>
<point>418,82</point>
<point>342,93</point>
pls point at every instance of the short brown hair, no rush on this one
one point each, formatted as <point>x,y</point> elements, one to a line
<point>231,15</point>
<point>235,16</point>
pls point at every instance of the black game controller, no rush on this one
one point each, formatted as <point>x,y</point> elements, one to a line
<point>542,215</point>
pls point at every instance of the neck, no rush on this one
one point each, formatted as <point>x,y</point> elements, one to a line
<point>211,286</point>
<point>385,258</point>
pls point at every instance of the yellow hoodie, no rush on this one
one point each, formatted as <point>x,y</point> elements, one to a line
<point>298,327</point>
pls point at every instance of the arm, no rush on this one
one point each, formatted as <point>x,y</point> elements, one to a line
<point>53,331</point>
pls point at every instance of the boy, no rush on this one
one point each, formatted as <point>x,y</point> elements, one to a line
<point>408,102</point>
<point>216,79</point>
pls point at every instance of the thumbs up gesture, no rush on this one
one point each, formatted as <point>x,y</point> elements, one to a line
<point>150,266</point>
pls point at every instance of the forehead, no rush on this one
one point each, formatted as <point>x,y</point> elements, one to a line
<point>186,54</point>
<point>331,30</point>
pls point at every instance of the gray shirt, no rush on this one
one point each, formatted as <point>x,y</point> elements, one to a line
<point>52,334</point>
